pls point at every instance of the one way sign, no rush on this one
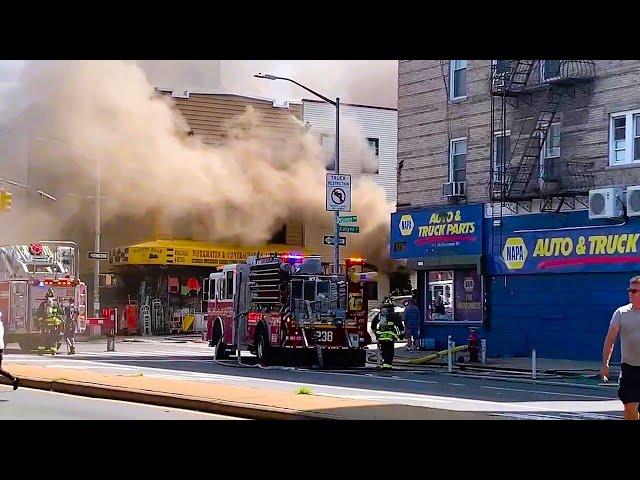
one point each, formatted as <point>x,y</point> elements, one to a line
<point>330,240</point>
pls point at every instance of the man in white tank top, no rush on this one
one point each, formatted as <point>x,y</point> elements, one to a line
<point>626,323</point>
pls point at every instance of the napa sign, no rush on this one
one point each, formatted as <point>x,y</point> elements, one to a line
<point>598,249</point>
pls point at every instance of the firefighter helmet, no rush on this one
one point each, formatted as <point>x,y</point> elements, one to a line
<point>50,293</point>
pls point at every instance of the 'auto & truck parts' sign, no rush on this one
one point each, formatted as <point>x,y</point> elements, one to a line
<point>598,249</point>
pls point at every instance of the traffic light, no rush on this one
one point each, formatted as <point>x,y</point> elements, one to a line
<point>5,200</point>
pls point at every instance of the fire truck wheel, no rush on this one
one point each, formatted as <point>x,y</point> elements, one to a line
<point>262,347</point>
<point>221,347</point>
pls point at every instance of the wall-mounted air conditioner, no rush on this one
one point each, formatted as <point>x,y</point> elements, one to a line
<point>633,200</point>
<point>605,203</point>
<point>454,189</point>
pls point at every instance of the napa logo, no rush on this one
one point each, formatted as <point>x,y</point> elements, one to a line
<point>514,253</point>
<point>406,225</point>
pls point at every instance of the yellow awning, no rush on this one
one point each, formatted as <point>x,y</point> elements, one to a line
<point>191,253</point>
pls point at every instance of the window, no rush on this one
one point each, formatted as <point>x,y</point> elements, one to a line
<point>229,289</point>
<point>550,150</point>
<point>458,160</point>
<point>374,145</point>
<point>501,155</point>
<point>440,287</point>
<point>550,69</point>
<point>458,76</point>
<point>624,134</point>
<point>328,142</point>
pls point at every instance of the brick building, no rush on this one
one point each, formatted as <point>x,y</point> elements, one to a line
<point>515,198</point>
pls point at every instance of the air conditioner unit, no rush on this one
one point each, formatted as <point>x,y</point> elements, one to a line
<point>454,189</point>
<point>605,203</point>
<point>633,200</point>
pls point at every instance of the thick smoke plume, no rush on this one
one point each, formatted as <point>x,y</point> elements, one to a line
<point>240,192</point>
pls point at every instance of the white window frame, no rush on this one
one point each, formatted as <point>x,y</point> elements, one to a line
<point>331,152</point>
<point>543,152</point>
<point>466,153</point>
<point>452,79</point>
<point>496,135</point>
<point>543,148</point>
<point>630,116</point>
<point>375,144</point>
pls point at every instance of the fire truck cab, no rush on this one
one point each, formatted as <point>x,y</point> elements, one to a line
<point>27,272</point>
<point>285,308</point>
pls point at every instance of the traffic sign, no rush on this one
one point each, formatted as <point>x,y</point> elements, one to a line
<point>349,229</point>
<point>350,219</point>
<point>330,240</point>
<point>98,256</point>
<point>338,192</point>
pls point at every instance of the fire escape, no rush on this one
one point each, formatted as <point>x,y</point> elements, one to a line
<point>531,92</point>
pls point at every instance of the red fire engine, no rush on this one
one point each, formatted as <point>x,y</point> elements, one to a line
<point>27,272</point>
<point>285,308</point>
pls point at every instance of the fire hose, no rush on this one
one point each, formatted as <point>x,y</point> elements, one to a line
<point>441,353</point>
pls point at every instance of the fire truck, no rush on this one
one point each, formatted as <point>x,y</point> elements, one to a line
<point>285,308</point>
<point>27,273</point>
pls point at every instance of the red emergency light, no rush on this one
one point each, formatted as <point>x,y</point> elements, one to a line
<point>354,261</point>
<point>57,282</point>
<point>288,256</point>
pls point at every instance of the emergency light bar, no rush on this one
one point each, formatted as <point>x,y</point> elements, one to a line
<point>60,282</point>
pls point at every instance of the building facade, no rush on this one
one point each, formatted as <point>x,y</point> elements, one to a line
<point>363,127</point>
<point>515,199</point>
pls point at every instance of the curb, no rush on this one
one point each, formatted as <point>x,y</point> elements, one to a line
<point>219,407</point>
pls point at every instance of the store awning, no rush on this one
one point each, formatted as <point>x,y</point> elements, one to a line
<point>444,261</point>
<point>190,253</point>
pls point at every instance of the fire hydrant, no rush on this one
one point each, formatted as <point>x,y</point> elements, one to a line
<point>474,346</point>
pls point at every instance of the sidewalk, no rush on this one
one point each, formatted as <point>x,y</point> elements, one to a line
<point>244,402</point>
<point>549,366</point>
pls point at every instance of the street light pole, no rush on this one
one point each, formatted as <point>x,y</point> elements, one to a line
<point>96,268</point>
<point>336,239</point>
<point>96,264</point>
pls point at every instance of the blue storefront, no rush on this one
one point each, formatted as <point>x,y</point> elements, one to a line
<point>550,281</point>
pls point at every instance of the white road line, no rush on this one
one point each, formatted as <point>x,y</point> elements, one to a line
<point>547,393</point>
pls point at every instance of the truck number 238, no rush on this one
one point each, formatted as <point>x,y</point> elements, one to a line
<point>324,336</point>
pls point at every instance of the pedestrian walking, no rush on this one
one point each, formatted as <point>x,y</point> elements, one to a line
<point>411,317</point>
<point>625,323</point>
<point>14,380</point>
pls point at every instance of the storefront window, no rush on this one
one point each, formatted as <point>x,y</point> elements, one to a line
<point>441,295</point>
<point>455,296</point>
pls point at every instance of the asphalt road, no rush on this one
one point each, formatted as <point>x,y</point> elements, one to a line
<point>28,404</point>
<point>423,387</point>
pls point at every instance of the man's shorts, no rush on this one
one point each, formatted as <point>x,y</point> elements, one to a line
<point>629,390</point>
<point>410,332</point>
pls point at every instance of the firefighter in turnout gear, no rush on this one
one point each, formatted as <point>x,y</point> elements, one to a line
<point>387,332</point>
<point>51,323</point>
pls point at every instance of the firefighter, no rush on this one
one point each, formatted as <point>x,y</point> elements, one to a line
<point>70,326</point>
<point>387,332</point>
<point>51,323</point>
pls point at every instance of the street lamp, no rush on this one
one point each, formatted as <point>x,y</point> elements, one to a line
<point>29,187</point>
<point>336,238</point>
<point>96,268</point>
